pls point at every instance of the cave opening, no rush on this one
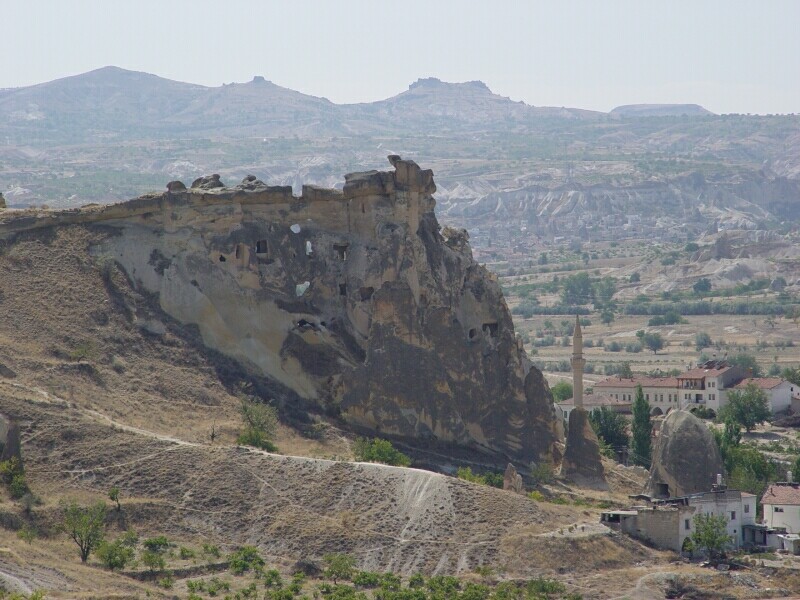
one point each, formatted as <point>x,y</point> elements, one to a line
<point>341,250</point>
<point>491,329</point>
<point>261,247</point>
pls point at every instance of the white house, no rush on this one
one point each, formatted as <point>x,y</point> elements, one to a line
<point>671,523</point>
<point>592,402</point>
<point>738,508</point>
<point>706,384</point>
<point>782,506</point>
<point>660,392</point>
<point>779,391</point>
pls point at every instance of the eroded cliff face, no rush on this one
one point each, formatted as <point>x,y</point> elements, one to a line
<point>352,299</point>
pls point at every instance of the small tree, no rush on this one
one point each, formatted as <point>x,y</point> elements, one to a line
<point>154,561</point>
<point>113,495</point>
<point>607,317</point>
<point>260,422</point>
<point>702,286</point>
<point>84,524</point>
<point>624,370</point>
<point>561,391</point>
<point>702,340</point>
<point>378,450</point>
<point>641,430</point>
<point>653,341</point>
<point>747,362</point>
<point>711,534</point>
<point>610,426</point>
<point>747,407</point>
<point>339,566</point>
<point>244,559</point>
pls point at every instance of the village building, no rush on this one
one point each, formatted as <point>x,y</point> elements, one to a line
<point>660,392</point>
<point>706,385</point>
<point>779,391</point>
<point>670,523</point>
<point>782,506</point>
<point>592,402</point>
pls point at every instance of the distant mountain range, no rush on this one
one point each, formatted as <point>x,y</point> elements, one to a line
<point>114,102</point>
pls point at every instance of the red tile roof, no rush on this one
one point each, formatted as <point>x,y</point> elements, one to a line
<point>765,383</point>
<point>619,382</point>
<point>700,373</point>
<point>782,493</point>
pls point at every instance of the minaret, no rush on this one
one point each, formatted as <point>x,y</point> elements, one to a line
<point>577,364</point>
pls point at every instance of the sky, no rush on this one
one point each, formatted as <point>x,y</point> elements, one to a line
<point>729,56</point>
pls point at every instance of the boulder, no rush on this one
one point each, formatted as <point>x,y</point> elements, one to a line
<point>176,187</point>
<point>251,182</point>
<point>582,462</point>
<point>512,481</point>
<point>686,459</point>
<point>207,182</point>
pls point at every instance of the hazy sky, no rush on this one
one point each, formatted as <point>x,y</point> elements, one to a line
<point>728,55</point>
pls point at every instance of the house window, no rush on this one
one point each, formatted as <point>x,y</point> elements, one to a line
<point>746,508</point>
<point>662,397</point>
<point>647,396</point>
<point>261,247</point>
<point>686,524</point>
<point>733,515</point>
<point>777,509</point>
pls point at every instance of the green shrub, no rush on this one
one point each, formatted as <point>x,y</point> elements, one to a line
<point>367,579</point>
<point>417,580</point>
<point>536,495</point>
<point>541,585</point>
<point>115,555</point>
<point>157,544</point>
<point>154,561</point>
<point>18,486</point>
<point>444,585</point>
<point>390,582</point>
<point>261,422</point>
<point>542,472</point>
<point>211,550</point>
<point>272,578</point>
<point>166,582</point>
<point>256,439</point>
<point>27,534</point>
<point>186,553</point>
<point>245,559</point>
<point>379,451</point>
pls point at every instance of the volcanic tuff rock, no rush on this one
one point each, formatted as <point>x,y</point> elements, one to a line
<point>582,462</point>
<point>351,300</point>
<point>686,459</point>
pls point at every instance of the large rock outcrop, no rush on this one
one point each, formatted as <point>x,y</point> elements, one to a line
<point>582,462</point>
<point>350,299</point>
<point>686,459</point>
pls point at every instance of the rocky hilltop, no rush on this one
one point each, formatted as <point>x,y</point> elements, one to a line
<point>352,301</point>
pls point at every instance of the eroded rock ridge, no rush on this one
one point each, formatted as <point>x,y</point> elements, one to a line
<point>352,299</point>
